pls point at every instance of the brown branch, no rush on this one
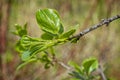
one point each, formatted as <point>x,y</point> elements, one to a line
<point>101,72</point>
<point>78,36</point>
<point>55,60</point>
<point>103,22</point>
<point>64,65</point>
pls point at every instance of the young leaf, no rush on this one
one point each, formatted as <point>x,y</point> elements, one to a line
<point>77,75</point>
<point>68,34</point>
<point>19,47</point>
<point>35,46</point>
<point>20,31</point>
<point>76,66</point>
<point>61,30</point>
<point>49,21</point>
<point>74,40</point>
<point>47,65</point>
<point>25,56</point>
<point>46,36</point>
<point>90,65</point>
<point>45,59</point>
<point>27,41</point>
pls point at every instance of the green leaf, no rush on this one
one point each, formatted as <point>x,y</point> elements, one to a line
<point>34,45</point>
<point>34,49</point>
<point>47,65</point>
<point>74,40</point>
<point>20,31</point>
<point>90,65</point>
<point>25,63</point>
<point>49,21</point>
<point>25,56</point>
<point>46,36</point>
<point>68,34</point>
<point>45,59</point>
<point>77,75</point>
<point>31,46</point>
<point>61,30</point>
<point>77,67</point>
<point>27,41</point>
<point>19,47</point>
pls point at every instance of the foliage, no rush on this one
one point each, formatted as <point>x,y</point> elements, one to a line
<point>84,72</point>
<point>53,34</point>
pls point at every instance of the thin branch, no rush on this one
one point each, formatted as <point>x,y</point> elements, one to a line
<point>103,22</point>
<point>64,65</point>
<point>61,63</point>
<point>55,60</point>
<point>101,73</point>
<point>78,36</point>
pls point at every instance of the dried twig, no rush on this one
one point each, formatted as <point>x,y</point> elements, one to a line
<point>103,22</point>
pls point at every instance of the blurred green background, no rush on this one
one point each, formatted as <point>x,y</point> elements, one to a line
<point>102,43</point>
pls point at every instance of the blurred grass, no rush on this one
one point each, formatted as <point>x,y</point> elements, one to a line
<point>102,43</point>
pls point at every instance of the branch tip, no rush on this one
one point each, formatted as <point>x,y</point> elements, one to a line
<point>100,24</point>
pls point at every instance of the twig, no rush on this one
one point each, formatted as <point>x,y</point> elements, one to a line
<point>61,63</point>
<point>101,73</point>
<point>78,36</point>
<point>103,22</point>
<point>64,65</point>
<point>55,60</point>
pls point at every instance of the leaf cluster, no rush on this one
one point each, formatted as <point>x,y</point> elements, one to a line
<point>84,72</point>
<point>53,34</point>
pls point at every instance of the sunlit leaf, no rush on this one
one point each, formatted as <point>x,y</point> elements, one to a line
<point>76,66</point>
<point>90,65</point>
<point>19,47</point>
<point>49,21</point>
<point>27,41</point>
<point>20,31</point>
<point>61,30</point>
<point>25,55</point>
<point>68,34</point>
<point>34,45</point>
<point>46,36</point>
<point>77,75</point>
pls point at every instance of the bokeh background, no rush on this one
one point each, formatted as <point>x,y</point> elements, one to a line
<point>103,43</point>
